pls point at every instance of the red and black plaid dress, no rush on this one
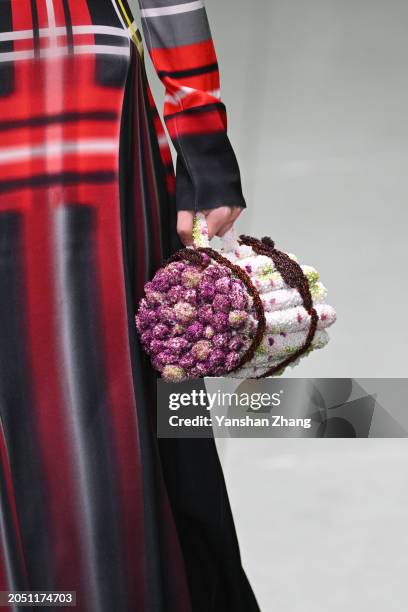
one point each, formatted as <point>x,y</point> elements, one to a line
<point>88,199</point>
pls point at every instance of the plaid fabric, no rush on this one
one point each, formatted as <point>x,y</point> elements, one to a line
<point>85,218</point>
<point>179,41</point>
<point>87,214</point>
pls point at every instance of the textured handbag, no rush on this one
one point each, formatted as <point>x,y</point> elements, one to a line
<point>247,310</point>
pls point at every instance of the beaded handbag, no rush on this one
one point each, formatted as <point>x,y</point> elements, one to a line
<point>247,310</point>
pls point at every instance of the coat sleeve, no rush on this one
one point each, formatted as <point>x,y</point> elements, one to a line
<point>179,41</point>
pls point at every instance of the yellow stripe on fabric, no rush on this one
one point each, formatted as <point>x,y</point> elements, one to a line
<point>135,34</point>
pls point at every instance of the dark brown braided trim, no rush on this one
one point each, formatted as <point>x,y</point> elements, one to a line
<point>293,276</point>
<point>191,255</point>
<point>194,257</point>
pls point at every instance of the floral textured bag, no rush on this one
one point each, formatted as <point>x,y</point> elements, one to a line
<point>245,311</point>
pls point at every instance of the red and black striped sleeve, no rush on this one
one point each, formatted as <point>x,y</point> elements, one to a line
<point>179,41</point>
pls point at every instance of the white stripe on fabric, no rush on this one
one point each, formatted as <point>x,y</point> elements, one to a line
<point>99,29</point>
<point>14,56</point>
<point>185,91</point>
<point>119,14</point>
<point>62,31</point>
<point>51,23</point>
<point>51,14</point>
<point>96,145</point>
<point>172,10</point>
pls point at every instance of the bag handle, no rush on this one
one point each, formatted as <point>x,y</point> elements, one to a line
<point>200,234</point>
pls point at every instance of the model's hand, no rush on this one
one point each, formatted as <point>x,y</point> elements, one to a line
<point>219,221</point>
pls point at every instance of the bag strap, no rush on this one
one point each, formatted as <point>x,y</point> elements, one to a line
<point>294,277</point>
<point>200,235</point>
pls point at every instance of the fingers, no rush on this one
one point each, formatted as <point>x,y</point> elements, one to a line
<point>185,220</point>
<point>221,219</point>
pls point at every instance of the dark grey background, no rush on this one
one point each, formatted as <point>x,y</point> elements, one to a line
<point>317,97</point>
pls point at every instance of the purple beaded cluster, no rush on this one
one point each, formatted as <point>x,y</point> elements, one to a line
<point>194,321</point>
